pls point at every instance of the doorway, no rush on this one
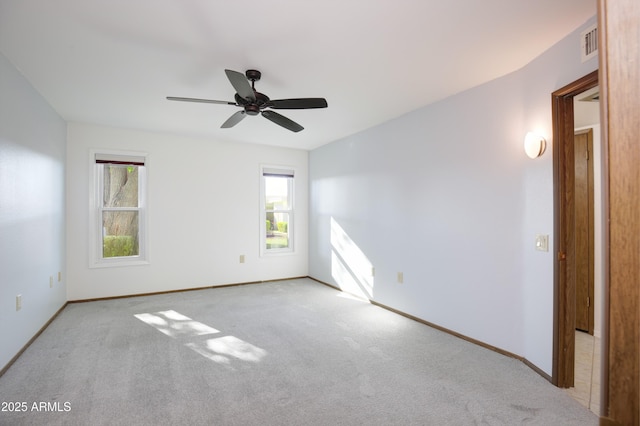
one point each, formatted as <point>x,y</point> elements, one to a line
<point>589,242</point>
<point>565,266</point>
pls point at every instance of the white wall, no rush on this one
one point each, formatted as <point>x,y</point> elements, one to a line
<point>32,228</point>
<point>556,68</point>
<point>446,196</point>
<point>203,199</point>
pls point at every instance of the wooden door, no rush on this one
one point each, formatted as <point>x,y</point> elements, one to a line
<point>584,226</point>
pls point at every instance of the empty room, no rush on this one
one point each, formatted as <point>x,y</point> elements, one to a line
<point>277,213</point>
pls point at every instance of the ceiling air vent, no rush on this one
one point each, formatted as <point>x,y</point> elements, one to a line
<point>589,43</point>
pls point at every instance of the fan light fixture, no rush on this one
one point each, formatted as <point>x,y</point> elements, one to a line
<point>534,145</point>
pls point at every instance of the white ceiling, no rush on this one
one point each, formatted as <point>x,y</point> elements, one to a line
<point>113,62</point>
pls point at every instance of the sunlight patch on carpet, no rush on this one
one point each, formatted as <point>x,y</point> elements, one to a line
<point>349,296</point>
<point>174,324</point>
<point>220,350</point>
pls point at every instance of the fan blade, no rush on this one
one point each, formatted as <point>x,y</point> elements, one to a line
<point>233,120</point>
<point>241,84</point>
<point>302,103</point>
<point>281,120</point>
<point>206,101</point>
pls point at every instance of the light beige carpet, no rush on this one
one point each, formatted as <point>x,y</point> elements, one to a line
<point>280,353</point>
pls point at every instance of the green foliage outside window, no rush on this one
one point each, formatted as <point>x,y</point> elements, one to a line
<point>278,242</point>
<point>119,245</point>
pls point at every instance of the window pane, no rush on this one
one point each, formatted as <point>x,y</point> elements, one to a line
<point>120,185</point>
<point>277,230</point>
<point>276,192</point>
<point>120,234</point>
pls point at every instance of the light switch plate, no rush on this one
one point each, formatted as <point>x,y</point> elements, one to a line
<point>542,242</point>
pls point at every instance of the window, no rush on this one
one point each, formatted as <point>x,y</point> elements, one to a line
<point>276,224</point>
<point>118,209</point>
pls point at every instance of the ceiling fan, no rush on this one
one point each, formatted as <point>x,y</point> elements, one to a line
<point>254,102</point>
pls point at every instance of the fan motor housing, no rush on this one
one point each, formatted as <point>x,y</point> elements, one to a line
<point>261,99</point>
<point>252,109</point>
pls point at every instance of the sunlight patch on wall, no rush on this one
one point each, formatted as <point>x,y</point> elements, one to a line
<point>350,267</point>
<point>221,350</point>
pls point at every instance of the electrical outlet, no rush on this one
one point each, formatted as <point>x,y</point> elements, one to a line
<point>242,258</point>
<point>51,281</point>
<point>18,302</point>
<point>59,276</point>
<point>373,271</point>
<point>400,277</point>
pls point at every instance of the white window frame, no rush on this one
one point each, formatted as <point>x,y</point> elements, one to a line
<point>282,170</point>
<point>96,187</point>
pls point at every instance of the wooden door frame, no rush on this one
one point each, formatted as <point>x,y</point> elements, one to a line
<point>564,248</point>
<point>620,101</point>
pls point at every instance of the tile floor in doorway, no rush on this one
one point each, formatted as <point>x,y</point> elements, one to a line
<point>586,388</point>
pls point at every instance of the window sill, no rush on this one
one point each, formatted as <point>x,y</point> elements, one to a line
<point>118,262</point>
<point>277,253</point>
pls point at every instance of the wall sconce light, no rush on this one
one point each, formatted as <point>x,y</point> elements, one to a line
<point>534,145</point>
